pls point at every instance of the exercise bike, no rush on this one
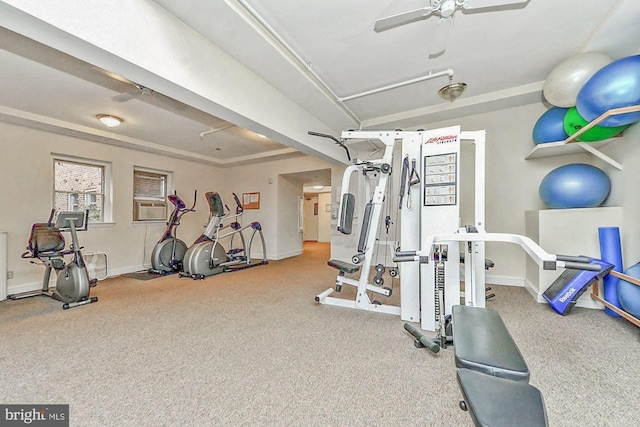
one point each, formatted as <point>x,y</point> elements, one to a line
<point>47,245</point>
<point>207,256</point>
<point>168,253</point>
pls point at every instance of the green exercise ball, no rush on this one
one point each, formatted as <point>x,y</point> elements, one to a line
<point>573,122</point>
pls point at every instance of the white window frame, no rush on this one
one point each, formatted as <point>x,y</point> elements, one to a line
<point>70,202</point>
<point>107,184</point>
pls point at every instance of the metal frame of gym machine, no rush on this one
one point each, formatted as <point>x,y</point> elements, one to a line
<point>370,224</point>
<point>439,219</point>
<point>435,210</point>
<point>430,235</point>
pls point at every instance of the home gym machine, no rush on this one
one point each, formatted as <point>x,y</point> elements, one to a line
<point>437,152</point>
<point>47,245</point>
<point>207,256</point>
<point>430,232</point>
<point>168,253</point>
<point>376,172</point>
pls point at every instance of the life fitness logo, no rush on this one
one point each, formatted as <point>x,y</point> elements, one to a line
<point>445,139</point>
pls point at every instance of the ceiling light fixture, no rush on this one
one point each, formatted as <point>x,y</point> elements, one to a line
<point>261,135</point>
<point>318,187</point>
<point>453,90</point>
<point>109,120</point>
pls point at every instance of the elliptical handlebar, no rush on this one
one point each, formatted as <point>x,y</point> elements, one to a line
<point>180,208</point>
<point>239,208</point>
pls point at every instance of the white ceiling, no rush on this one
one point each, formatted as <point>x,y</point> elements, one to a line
<point>315,52</point>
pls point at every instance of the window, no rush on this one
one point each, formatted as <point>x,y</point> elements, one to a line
<point>149,194</point>
<point>80,185</point>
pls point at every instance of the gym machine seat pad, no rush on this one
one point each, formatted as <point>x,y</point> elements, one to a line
<point>498,402</point>
<point>482,343</point>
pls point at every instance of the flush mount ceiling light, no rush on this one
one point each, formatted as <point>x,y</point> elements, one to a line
<point>109,120</point>
<point>318,187</point>
<point>452,90</point>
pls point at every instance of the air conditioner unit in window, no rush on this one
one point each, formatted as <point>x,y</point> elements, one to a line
<point>150,211</point>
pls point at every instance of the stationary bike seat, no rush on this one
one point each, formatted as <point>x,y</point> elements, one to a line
<point>44,240</point>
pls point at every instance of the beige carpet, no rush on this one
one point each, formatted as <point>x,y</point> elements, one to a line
<point>253,348</point>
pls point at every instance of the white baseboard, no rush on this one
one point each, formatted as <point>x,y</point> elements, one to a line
<point>534,293</point>
<point>585,301</point>
<point>286,255</point>
<point>504,280</point>
<point>25,287</point>
<point>124,270</point>
<point>34,286</point>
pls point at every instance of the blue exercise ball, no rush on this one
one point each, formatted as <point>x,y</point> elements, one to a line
<point>628,293</point>
<point>613,86</point>
<point>576,185</point>
<point>549,127</point>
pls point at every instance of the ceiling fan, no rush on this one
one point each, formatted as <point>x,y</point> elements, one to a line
<point>444,9</point>
<point>149,95</point>
<point>138,90</point>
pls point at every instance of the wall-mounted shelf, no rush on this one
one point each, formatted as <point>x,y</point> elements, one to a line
<point>572,146</point>
<point>561,148</point>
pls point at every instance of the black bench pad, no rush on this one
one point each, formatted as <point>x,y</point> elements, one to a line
<point>343,266</point>
<point>482,343</point>
<point>496,402</point>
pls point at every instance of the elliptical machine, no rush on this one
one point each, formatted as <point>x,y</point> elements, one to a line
<point>207,256</point>
<point>47,245</point>
<point>168,253</point>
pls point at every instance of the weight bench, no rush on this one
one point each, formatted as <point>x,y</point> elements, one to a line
<point>483,343</point>
<point>496,402</point>
<point>493,376</point>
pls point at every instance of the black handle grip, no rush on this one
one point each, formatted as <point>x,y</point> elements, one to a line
<point>428,343</point>
<point>324,135</point>
<point>571,258</point>
<point>581,266</point>
<point>337,141</point>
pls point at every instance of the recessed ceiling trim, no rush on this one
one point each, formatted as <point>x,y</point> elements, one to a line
<point>259,156</point>
<point>60,127</point>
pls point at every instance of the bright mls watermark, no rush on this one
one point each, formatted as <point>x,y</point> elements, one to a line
<point>34,415</point>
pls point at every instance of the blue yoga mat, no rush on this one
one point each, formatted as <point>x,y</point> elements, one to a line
<point>611,252</point>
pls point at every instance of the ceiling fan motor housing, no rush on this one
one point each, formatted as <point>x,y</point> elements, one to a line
<point>447,8</point>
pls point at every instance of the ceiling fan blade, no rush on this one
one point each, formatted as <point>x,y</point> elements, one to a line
<point>167,103</point>
<point>402,18</point>
<point>487,4</point>
<point>441,37</point>
<point>123,97</point>
<point>131,94</point>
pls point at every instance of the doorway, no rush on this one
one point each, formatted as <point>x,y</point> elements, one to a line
<point>317,217</point>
